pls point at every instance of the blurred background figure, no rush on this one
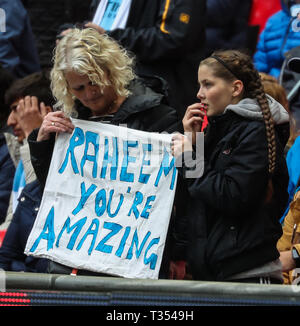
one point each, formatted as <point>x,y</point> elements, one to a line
<point>167,38</point>
<point>224,28</point>
<point>261,11</point>
<point>7,168</point>
<point>47,16</point>
<point>18,51</point>
<point>278,36</point>
<point>29,100</point>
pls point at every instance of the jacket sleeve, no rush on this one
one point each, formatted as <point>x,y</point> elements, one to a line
<point>11,250</point>
<point>291,236</point>
<point>260,58</point>
<point>177,29</point>
<point>41,154</point>
<point>221,12</point>
<point>242,183</point>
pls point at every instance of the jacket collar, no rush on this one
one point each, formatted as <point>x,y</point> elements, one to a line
<point>141,99</point>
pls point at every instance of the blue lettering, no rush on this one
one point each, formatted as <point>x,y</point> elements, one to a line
<point>153,257</point>
<point>135,241</point>
<point>77,226</point>
<point>109,204</point>
<point>166,167</point>
<point>49,236</point>
<point>123,242</point>
<point>92,138</point>
<point>115,228</point>
<point>92,232</point>
<point>101,196</point>
<point>125,176</point>
<point>145,213</point>
<point>77,139</point>
<point>143,178</point>
<point>85,194</point>
<point>113,160</point>
<point>137,200</point>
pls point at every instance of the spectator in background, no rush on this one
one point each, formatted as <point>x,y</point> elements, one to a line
<point>273,88</point>
<point>12,257</point>
<point>289,243</point>
<point>225,29</point>
<point>278,37</point>
<point>167,38</point>
<point>46,17</point>
<point>7,168</point>
<point>293,155</point>
<point>29,99</point>
<point>261,11</point>
<point>17,44</point>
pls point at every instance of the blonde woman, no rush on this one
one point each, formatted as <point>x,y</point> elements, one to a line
<point>92,78</point>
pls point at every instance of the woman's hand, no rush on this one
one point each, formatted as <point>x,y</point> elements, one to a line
<point>54,122</point>
<point>193,119</point>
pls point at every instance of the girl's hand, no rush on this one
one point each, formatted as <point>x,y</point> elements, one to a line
<point>193,118</point>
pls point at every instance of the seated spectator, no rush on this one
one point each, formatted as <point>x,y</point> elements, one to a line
<point>278,36</point>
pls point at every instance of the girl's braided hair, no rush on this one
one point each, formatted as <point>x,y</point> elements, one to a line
<point>232,65</point>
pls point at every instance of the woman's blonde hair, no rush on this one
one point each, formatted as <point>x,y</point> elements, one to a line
<point>87,52</point>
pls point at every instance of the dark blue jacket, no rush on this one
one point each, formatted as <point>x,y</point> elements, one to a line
<point>277,38</point>
<point>7,171</point>
<point>18,51</point>
<point>12,257</point>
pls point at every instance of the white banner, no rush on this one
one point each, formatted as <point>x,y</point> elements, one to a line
<point>107,201</point>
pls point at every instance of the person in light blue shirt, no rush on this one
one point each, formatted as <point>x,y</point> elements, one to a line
<point>110,14</point>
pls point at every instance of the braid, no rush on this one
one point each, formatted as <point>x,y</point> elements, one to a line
<point>239,65</point>
<point>256,90</point>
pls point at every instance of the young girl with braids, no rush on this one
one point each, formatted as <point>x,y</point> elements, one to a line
<point>235,205</point>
